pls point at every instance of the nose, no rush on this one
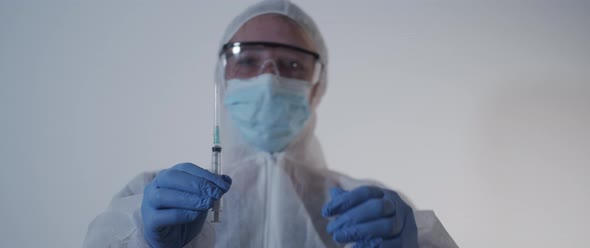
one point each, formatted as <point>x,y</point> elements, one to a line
<point>269,66</point>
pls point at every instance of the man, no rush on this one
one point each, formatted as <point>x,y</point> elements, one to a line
<point>278,191</point>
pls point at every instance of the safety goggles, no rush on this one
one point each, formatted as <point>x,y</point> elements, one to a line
<point>243,60</point>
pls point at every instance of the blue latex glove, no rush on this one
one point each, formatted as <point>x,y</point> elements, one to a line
<point>371,217</point>
<point>175,204</point>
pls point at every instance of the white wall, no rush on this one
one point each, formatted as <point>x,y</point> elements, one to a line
<point>478,110</point>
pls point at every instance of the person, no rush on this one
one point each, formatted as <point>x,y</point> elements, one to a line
<point>277,191</point>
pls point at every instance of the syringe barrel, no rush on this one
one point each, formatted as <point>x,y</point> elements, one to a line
<point>216,160</point>
<point>216,168</point>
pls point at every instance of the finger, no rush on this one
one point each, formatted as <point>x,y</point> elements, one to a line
<point>381,228</point>
<point>163,198</point>
<point>336,191</point>
<point>350,199</point>
<point>227,179</point>
<point>169,217</point>
<point>370,210</point>
<point>224,182</point>
<point>371,243</point>
<point>183,181</point>
<point>401,209</point>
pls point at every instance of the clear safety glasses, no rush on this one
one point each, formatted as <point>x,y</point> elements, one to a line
<point>243,60</point>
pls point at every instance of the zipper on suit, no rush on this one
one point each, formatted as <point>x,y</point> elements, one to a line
<point>268,167</point>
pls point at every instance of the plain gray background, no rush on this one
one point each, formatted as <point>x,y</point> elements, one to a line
<point>476,109</point>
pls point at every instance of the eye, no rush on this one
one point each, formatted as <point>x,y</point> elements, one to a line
<point>246,61</point>
<point>294,65</point>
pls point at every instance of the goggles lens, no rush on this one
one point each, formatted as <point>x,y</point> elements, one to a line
<point>244,60</point>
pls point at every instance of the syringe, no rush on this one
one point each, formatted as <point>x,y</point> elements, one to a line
<point>216,156</point>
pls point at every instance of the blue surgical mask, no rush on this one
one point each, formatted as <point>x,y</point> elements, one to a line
<point>270,111</point>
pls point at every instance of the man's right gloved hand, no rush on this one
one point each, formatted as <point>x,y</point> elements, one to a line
<point>175,204</point>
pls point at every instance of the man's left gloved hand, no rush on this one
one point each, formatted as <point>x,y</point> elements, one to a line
<point>371,217</point>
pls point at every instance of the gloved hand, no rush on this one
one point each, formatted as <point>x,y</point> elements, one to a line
<point>176,202</point>
<point>371,217</point>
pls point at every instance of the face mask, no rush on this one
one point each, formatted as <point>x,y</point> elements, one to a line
<point>268,110</point>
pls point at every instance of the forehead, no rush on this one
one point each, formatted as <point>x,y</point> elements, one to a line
<point>274,28</point>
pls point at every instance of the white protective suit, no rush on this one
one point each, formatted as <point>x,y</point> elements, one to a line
<point>276,199</point>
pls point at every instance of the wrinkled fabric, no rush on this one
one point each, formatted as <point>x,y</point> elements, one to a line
<point>276,199</point>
